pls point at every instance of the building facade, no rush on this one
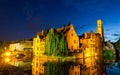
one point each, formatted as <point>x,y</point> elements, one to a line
<point>38,50</point>
<point>21,45</point>
<point>39,43</point>
<point>91,43</point>
<point>71,37</point>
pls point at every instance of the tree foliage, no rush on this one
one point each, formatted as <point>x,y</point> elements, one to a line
<point>56,44</point>
<point>117,45</point>
<point>108,54</point>
<point>3,44</point>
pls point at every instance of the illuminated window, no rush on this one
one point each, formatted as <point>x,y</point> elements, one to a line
<point>72,47</point>
<point>37,41</point>
<point>75,73</point>
<point>36,72</point>
<point>74,41</point>
<point>36,64</point>
<point>72,34</point>
<point>37,48</point>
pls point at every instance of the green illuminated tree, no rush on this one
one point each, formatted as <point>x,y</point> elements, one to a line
<point>56,44</point>
<point>108,54</point>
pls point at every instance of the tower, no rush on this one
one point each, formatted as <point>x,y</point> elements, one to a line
<point>100,29</point>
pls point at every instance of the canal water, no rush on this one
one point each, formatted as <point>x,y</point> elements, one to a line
<point>52,66</point>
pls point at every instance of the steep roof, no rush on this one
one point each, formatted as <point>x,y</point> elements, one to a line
<point>41,34</point>
<point>63,29</point>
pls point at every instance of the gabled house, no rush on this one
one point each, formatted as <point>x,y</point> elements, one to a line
<point>71,37</point>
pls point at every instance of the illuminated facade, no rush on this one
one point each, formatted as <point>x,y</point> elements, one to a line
<point>21,45</point>
<point>71,37</point>
<point>91,43</point>
<point>39,43</point>
<point>38,50</point>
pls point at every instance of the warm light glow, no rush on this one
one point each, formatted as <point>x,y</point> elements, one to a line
<point>7,53</point>
<point>7,59</point>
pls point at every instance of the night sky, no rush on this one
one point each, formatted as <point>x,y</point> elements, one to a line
<point>21,19</point>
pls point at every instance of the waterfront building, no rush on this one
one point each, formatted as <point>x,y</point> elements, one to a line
<point>86,45</point>
<point>39,43</point>
<point>71,37</point>
<point>21,45</point>
<point>38,50</point>
<point>91,43</point>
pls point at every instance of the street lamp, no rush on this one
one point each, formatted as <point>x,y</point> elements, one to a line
<point>7,59</point>
<point>7,54</point>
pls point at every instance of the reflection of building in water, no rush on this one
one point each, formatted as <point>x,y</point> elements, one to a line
<point>91,43</point>
<point>21,45</point>
<point>35,66</point>
<point>24,65</point>
<point>74,70</point>
<point>38,50</point>
<point>91,66</point>
<point>38,66</point>
<point>86,66</point>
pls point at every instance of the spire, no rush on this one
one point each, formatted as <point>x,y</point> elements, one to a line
<point>69,22</point>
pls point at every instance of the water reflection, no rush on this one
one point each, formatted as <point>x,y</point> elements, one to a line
<point>51,66</point>
<point>21,62</point>
<point>112,65</point>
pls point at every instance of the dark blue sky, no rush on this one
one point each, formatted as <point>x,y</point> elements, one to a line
<point>21,19</point>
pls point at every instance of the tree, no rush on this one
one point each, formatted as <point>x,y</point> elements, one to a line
<point>3,44</point>
<point>56,44</point>
<point>117,45</point>
<point>108,54</point>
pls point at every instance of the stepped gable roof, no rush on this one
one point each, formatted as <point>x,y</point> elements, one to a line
<point>41,34</point>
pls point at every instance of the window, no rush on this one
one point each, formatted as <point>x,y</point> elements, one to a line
<point>36,72</point>
<point>36,64</point>
<point>37,41</point>
<point>37,48</point>
<point>74,41</point>
<point>72,47</point>
<point>75,73</point>
<point>72,34</point>
<point>72,67</point>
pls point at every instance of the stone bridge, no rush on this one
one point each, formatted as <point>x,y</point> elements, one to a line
<point>21,55</point>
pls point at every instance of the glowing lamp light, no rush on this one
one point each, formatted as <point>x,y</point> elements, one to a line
<point>7,53</point>
<point>7,59</point>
